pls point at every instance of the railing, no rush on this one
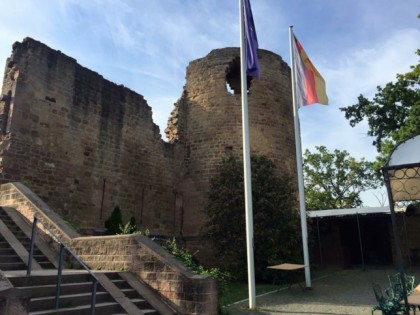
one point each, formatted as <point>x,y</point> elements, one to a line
<point>60,265</point>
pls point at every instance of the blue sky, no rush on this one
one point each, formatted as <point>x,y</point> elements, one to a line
<point>146,45</point>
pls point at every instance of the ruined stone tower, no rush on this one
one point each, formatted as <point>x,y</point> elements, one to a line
<point>207,121</point>
<point>85,144</point>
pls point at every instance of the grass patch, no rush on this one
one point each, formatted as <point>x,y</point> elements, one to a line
<point>238,291</point>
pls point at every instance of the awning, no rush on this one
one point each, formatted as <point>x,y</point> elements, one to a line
<point>403,170</point>
<point>352,211</point>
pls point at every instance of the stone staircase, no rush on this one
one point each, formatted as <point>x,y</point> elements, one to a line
<point>117,293</point>
<point>16,260</point>
<point>9,259</point>
<point>75,294</point>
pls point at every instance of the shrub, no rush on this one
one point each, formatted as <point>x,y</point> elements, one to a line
<point>191,263</point>
<point>113,223</point>
<point>129,228</point>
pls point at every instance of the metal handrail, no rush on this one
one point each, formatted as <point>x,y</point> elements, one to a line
<point>63,247</point>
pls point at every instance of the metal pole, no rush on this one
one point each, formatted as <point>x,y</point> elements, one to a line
<point>31,250</point>
<point>319,242</point>
<point>93,298</point>
<point>407,243</point>
<point>60,270</point>
<point>360,242</point>
<point>247,165</point>
<point>396,238</point>
<point>299,167</point>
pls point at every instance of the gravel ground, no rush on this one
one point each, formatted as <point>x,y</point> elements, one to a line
<point>343,292</point>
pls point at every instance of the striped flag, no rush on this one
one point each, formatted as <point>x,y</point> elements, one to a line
<point>310,85</point>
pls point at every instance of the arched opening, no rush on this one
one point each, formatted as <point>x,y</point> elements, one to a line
<point>233,77</point>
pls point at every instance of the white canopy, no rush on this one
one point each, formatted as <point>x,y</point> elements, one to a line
<point>407,152</point>
<point>403,170</point>
<point>352,211</point>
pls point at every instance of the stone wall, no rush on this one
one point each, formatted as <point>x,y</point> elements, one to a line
<point>84,144</point>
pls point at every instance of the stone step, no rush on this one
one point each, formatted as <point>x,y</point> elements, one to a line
<point>75,294</point>
<point>19,281</point>
<point>7,251</point>
<point>4,244</point>
<point>140,303</point>
<point>67,289</point>
<point>10,258</point>
<point>67,300</point>
<point>12,266</point>
<point>100,308</point>
<point>149,312</point>
<point>120,283</point>
<point>25,241</point>
<point>130,293</point>
<point>46,265</point>
<point>155,305</point>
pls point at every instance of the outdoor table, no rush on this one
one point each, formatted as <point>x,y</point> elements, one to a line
<point>289,267</point>
<point>414,298</point>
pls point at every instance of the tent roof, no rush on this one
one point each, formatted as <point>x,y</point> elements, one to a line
<point>402,171</point>
<point>406,152</point>
<point>352,211</point>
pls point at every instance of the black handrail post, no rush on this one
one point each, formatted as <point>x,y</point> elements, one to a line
<point>60,270</point>
<point>93,299</point>
<point>31,250</point>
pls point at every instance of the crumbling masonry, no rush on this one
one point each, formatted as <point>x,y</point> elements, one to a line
<point>85,144</point>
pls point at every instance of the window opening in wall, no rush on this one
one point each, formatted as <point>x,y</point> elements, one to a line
<point>233,77</point>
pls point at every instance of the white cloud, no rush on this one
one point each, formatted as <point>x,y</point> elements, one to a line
<point>353,73</point>
<point>359,72</point>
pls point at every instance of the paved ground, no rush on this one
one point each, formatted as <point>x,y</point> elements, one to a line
<point>344,292</point>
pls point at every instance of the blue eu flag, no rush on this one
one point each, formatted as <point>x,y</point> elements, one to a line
<point>252,66</point>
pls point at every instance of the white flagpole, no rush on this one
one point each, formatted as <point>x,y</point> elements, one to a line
<point>299,166</point>
<point>247,164</point>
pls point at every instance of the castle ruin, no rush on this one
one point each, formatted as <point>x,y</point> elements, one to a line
<point>85,144</point>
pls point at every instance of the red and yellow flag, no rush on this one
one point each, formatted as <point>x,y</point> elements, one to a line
<point>310,85</point>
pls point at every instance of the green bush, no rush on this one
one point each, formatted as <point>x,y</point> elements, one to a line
<point>129,228</point>
<point>191,263</point>
<point>113,223</point>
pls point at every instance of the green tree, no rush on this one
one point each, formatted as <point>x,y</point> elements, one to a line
<point>276,220</point>
<point>393,114</point>
<point>334,180</point>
